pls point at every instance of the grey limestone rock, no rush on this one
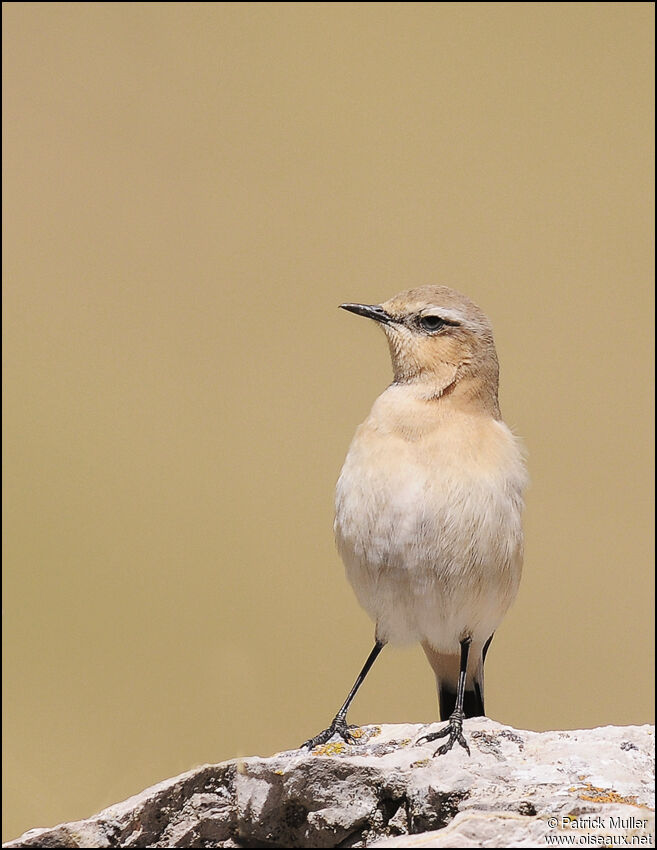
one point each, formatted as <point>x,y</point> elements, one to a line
<point>517,789</point>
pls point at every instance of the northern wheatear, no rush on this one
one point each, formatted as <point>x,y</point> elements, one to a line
<point>430,498</point>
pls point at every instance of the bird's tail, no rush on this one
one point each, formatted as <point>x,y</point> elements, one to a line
<point>446,668</point>
<point>473,699</point>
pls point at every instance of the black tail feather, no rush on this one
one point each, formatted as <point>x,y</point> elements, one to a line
<point>473,698</point>
<point>473,701</point>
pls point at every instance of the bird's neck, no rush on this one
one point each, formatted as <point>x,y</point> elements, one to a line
<point>450,388</point>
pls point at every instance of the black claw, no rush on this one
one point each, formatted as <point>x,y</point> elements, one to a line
<point>448,746</point>
<point>338,727</point>
<point>432,736</point>
<point>453,729</point>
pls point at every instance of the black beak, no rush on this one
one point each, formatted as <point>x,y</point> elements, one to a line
<point>370,311</point>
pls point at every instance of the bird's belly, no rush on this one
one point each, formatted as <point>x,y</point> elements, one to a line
<point>434,553</point>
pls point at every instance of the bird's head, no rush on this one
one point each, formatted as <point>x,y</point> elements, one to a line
<point>438,338</point>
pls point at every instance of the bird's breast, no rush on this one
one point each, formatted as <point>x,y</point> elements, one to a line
<point>434,517</point>
<point>455,490</point>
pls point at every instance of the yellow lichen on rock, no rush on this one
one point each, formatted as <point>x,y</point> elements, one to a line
<point>592,794</point>
<point>332,749</point>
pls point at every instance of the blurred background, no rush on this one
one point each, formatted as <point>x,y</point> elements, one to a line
<point>190,190</point>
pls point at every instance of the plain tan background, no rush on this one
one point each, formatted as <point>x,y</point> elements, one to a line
<point>190,190</point>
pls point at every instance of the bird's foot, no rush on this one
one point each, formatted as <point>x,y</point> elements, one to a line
<point>453,732</point>
<point>338,727</point>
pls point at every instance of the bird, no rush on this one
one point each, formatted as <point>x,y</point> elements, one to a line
<point>429,502</point>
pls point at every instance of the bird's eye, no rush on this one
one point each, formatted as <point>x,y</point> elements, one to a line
<point>431,323</point>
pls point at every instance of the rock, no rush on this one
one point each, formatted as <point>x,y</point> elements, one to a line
<point>518,789</point>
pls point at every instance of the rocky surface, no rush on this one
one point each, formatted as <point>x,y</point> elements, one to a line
<point>517,789</point>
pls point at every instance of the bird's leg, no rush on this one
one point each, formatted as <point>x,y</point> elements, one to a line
<point>339,724</point>
<point>454,729</point>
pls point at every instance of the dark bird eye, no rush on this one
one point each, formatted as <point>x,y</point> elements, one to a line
<point>431,323</point>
